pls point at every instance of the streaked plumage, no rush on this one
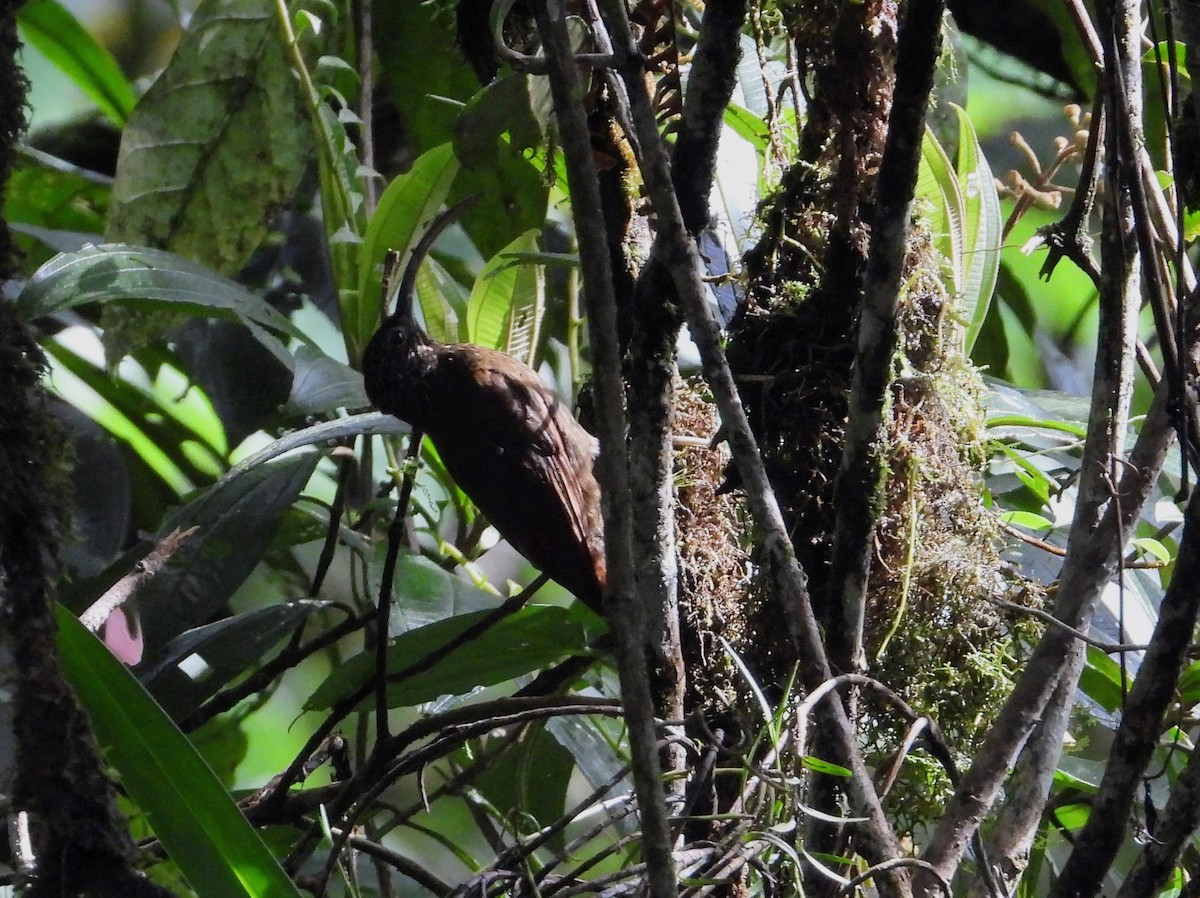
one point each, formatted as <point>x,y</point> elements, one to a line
<point>505,437</point>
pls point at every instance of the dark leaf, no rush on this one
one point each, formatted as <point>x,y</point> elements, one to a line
<point>217,653</point>
<point>235,520</point>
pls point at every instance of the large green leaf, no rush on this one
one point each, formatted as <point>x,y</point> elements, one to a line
<point>427,77</point>
<point>491,137</point>
<point>507,107</point>
<point>236,519</point>
<point>216,144</point>
<point>506,305</point>
<point>525,641</point>
<point>135,275</point>
<point>47,25</point>
<point>191,813</point>
<point>409,202</point>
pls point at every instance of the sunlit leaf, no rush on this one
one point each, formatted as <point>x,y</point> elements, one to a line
<point>1101,680</point>
<point>47,25</point>
<point>61,207</point>
<point>982,229</point>
<point>1028,520</point>
<point>937,185</point>
<point>506,305</point>
<point>405,208</point>
<point>191,813</point>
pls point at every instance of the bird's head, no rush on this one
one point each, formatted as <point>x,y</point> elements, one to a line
<point>393,362</point>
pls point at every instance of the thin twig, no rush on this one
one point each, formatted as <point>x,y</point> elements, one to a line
<point>1109,648</point>
<point>383,609</point>
<point>123,590</point>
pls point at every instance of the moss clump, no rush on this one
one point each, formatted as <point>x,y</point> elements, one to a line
<point>933,632</point>
<point>713,558</point>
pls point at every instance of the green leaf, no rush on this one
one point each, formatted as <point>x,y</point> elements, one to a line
<point>149,278</point>
<point>427,77</point>
<point>322,385</point>
<point>216,144</point>
<point>326,431</point>
<point>431,594</point>
<point>1072,816</point>
<point>748,126</point>
<point>1101,679</point>
<point>1154,548</point>
<point>528,640</point>
<point>508,300</point>
<point>236,519</point>
<point>504,107</point>
<point>159,430</point>
<point>56,204</point>
<point>1028,520</point>
<point>407,205</point>
<point>937,185</point>
<point>529,783</point>
<point>512,199</point>
<point>442,300</point>
<point>191,813</point>
<point>1189,685</point>
<point>227,647</point>
<point>982,229</point>
<point>47,25</point>
<point>1066,779</point>
<point>826,767</point>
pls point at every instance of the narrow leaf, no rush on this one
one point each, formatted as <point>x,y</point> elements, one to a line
<point>150,278</point>
<point>47,25</point>
<point>409,202</point>
<point>226,647</point>
<point>937,184</point>
<point>191,813</point>
<point>982,229</point>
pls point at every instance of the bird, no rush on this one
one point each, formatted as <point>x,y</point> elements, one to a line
<point>503,434</point>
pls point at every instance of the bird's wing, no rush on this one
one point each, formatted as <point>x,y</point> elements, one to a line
<point>565,451</point>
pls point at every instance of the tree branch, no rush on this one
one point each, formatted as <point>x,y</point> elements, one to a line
<point>1141,721</point>
<point>1097,537</point>
<point>624,613</point>
<point>859,486</point>
<point>679,254</point>
<point>1176,825</point>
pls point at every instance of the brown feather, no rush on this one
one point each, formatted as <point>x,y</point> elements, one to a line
<point>509,443</point>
